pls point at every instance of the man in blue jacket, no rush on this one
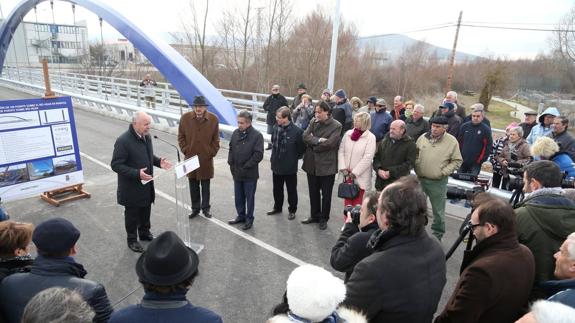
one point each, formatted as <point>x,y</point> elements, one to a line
<point>167,271</point>
<point>380,120</point>
<point>475,143</point>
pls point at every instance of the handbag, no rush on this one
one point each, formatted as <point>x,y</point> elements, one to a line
<point>347,190</point>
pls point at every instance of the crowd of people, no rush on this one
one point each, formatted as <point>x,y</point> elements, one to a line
<point>394,270</point>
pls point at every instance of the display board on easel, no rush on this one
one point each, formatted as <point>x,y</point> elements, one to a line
<point>38,147</point>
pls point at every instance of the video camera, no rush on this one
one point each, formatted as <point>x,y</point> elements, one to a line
<point>355,211</point>
<point>458,193</point>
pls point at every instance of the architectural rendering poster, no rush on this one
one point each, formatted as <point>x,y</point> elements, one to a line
<point>38,147</point>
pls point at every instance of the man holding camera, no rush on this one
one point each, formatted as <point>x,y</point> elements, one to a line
<point>544,218</point>
<point>351,247</point>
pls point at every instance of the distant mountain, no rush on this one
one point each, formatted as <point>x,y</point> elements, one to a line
<point>392,45</point>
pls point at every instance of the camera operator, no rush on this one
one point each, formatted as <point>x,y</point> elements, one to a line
<point>351,247</point>
<point>544,218</point>
<point>514,155</point>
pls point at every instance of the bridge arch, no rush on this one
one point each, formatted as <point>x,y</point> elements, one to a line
<point>175,68</point>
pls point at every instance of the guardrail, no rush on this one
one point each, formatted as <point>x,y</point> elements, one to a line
<point>123,97</point>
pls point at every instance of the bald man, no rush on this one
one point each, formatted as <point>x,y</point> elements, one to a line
<point>134,160</point>
<point>395,155</point>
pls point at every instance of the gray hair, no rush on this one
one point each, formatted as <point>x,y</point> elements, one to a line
<point>477,107</point>
<point>571,246</point>
<point>138,115</point>
<point>452,93</point>
<point>552,312</point>
<point>518,130</point>
<point>245,114</point>
<point>419,108</point>
<point>57,305</point>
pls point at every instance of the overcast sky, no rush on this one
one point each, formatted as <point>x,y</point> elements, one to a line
<point>372,17</point>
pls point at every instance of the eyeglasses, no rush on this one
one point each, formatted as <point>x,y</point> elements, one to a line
<point>473,226</point>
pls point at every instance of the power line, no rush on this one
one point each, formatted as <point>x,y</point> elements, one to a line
<point>514,28</point>
<point>510,23</point>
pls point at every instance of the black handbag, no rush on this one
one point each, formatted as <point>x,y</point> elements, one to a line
<point>347,190</point>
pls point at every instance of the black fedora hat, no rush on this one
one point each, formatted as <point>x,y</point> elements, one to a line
<point>167,261</point>
<point>199,100</point>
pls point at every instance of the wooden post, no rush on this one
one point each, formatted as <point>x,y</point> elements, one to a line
<point>452,58</point>
<point>48,94</point>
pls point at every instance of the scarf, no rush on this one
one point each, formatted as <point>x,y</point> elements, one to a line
<point>356,134</point>
<point>280,139</point>
<point>332,318</point>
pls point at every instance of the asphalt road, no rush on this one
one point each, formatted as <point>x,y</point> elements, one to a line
<point>242,275</point>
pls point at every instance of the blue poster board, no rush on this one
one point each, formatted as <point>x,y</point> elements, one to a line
<point>38,147</point>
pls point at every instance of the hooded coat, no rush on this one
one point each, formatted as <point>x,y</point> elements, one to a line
<point>544,220</point>
<point>539,130</point>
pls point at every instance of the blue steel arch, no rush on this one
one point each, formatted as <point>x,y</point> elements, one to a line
<point>175,68</point>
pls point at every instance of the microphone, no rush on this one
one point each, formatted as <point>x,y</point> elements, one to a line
<point>164,141</point>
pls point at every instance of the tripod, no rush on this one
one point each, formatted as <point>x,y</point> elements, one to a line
<point>465,230</point>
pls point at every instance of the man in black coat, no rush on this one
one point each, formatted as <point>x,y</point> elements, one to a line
<point>55,241</point>
<point>287,149</point>
<point>134,160</point>
<point>351,247</point>
<point>245,154</point>
<point>403,279</point>
<point>271,106</point>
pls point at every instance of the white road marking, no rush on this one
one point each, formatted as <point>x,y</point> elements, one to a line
<point>222,224</point>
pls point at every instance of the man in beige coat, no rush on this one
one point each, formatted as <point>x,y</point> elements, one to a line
<point>199,134</point>
<point>438,156</point>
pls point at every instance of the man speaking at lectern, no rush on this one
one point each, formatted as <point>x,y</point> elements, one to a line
<point>134,160</point>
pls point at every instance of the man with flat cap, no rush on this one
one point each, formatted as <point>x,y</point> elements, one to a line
<point>166,271</point>
<point>528,123</point>
<point>199,135</point>
<point>134,160</point>
<point>55,240</point>
<point>438,156</point>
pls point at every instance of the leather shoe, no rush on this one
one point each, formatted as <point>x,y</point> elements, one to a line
<point>309,220</point>
<point>146,237</point>
<point>236,221</point>
<point>247,226</point>
<point>194,214</point>
<point>207,214</point>
<point>135,246</point>
<point>291,216</point>
<point>322,225</point>
<point>274,211</point>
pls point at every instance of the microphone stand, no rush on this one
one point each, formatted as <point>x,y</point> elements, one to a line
<point>164,141</point>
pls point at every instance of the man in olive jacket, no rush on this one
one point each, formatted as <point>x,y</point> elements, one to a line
<point>199,135</point>
<point>322,138</point>
<point>497,274</point>
<point>544,218</point>
<point>134,160</point>
<point>395,155</point>
<point>245,154</point>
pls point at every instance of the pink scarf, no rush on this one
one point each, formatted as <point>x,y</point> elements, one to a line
<point>356,134</point>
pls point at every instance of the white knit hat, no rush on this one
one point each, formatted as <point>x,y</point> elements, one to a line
<point>314,293</point>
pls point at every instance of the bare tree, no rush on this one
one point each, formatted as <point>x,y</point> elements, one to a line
<point>565,35</point>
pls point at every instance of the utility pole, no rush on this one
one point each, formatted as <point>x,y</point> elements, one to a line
<point>259,86</point>
<point>333,55</point>
<point>452,59</point>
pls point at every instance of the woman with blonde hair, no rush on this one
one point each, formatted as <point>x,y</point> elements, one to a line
<point>355,155</point>
<point>546,148</point>
<point>15,239</point>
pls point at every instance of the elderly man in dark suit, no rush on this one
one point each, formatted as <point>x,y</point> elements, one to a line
<point>134,160</point>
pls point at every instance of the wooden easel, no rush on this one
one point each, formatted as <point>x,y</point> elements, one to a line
<point>68,193</point>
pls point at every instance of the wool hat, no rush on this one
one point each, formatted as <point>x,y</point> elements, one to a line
<point>301,86</point>
<point>167,261</point>
<point>200,101</point>
<point>372,99</point>
<point>314,293</point>
<point>439,120</point>
<point>55,235</point>
<point>326,91</point>
<point>447,105</point>
<point>381,102</point>
<point>340,94</point>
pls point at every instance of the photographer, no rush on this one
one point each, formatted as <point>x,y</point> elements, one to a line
<point>351,247</point>
<point>515,154</point>
<point>544,218</point>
